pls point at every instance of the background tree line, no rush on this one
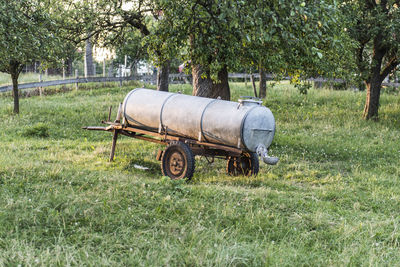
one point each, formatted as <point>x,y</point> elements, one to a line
<point>354,40</point>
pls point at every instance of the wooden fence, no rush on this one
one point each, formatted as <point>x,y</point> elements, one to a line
<point>174,78</point>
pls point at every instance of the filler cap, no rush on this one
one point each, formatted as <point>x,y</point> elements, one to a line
<point>249,100</point>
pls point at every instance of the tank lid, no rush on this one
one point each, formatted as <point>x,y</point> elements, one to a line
<point>250,101</point>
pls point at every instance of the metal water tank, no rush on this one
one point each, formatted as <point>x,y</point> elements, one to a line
<point>246,124</point>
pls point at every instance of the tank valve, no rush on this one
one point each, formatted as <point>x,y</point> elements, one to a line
<point>262,151</point>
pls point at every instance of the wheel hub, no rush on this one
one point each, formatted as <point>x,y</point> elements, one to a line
<point>176,163</point>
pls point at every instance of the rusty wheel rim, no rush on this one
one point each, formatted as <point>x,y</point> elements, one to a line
<point>176,164</point>
<point>240,165</point>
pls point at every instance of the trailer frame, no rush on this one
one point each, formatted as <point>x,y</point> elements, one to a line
<point>239,161</point>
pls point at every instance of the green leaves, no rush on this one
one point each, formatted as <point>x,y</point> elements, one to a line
<point>317,52</point>
<point>300,33</point>
<point>27,33</point>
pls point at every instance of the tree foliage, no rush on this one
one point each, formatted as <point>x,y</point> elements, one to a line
<point>299,38</point>
<point>295,37</point>
<point>27,34</point>
<point>122,25</point>
<point>208,33</point>
<point>288,37</point>
<point>374,27</point>
<point>283,36</point>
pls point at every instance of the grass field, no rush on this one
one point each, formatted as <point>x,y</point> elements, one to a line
<point>333,199</point>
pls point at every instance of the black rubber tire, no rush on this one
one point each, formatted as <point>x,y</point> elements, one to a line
<point>177,161</point>
<point>247,164</point>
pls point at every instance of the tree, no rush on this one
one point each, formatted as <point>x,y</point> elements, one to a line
<point>374,26</point>
<point>208,35</point>
<point>131,45</point>
<point>284,37</point>
<point>27,33</point>
<point>122,24</point>
<point>88,59</point>
<point>297,38</point>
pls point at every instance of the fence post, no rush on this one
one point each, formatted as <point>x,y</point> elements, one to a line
<point>104,71</point>
<point>63,69</point>
<point>76,77</point>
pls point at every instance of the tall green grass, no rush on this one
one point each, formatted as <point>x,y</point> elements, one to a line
<point>333,199</point>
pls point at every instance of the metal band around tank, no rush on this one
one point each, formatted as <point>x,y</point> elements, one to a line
<point>242,125</point>
<point>126,100</point>
<point>162,108</point>
<point>201,118</point>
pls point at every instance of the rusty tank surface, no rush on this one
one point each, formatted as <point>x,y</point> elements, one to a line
<point>238,131</point>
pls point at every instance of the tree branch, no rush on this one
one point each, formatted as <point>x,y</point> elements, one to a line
<point>392,65</point>
<point>371,4</point>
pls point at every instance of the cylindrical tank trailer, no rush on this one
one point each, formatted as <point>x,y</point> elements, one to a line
<point>191,125</point>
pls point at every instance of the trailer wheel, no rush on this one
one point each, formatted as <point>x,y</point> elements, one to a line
<point>177,161</point>
<point>247,164</point>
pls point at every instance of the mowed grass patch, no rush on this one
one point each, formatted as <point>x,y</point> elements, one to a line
<point>333,198</point>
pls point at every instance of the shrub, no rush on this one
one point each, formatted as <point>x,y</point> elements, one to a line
<point>303,87</point>
<point>38,130</point>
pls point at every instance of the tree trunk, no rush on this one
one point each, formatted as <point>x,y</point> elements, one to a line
<point>372,100</point>
<point>15,92</point>
<point>253,83</point>
<point>162,76</point>
<point>374,83</point>
<point>15,70</point>
<point>204,86</point>
<point>88,62</point>
<point>263,83</point>
<point>69,70</point>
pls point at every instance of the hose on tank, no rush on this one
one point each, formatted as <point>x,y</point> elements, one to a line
<point>262,152</point>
